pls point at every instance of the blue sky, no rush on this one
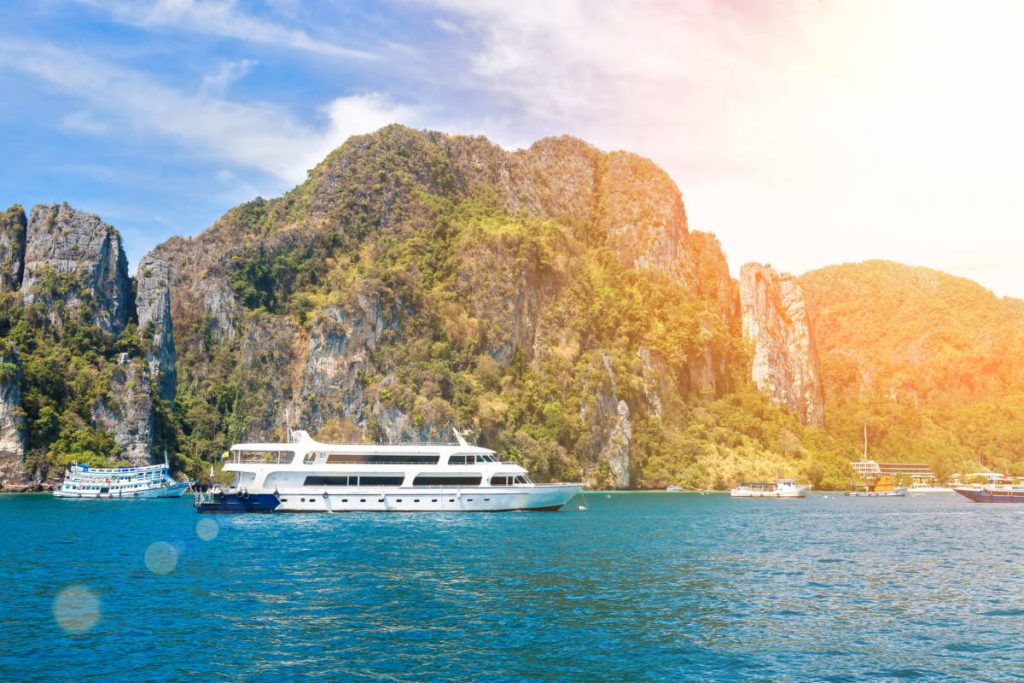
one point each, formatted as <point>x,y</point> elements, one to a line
<point>802,134</point>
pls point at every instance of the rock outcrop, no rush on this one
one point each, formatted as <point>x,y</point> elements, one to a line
<point>785,360</point>
<point>340,346</point>
<point>126,411</point>
<point>12,248</point>
<point>611,430</point>
<point>153,307</point>
<point>12,419</point>
<point>75,259</point>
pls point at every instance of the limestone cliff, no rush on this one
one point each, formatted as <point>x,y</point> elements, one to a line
<point>153,306</point>
<point>74,260</point>
<point>341,344</point>
<point>126,411</point>
<point>94,357</point>
<point>776,324</point>
<point>611,431</point>
<point>12,419</point>
<point>418,280</point>
<point>12,248</point>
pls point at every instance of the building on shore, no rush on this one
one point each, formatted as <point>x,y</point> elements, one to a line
<point>916,473</point>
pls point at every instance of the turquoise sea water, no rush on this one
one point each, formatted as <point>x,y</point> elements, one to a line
<point>656,586</point>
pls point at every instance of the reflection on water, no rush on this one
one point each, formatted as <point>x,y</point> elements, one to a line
<point>640,587</point>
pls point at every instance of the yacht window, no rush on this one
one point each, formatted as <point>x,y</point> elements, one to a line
<point>319,480</point>
<point>456,460</point>
<point>447,480</point>
<point>521,480</point>
<point>382,458</point>
<point>380,481</point>
<point>502,480</point>
<point>309,459</point>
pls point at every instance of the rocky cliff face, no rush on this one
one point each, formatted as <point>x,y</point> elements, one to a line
<point>153,306</point>
<point>12,248</point>
<point>12,419</point>
<point>611,431</point>
<point>126,411</point>
<point>75,260</point>
<point>617,202</point>
<point>776,323</point>
<point>91,392</point>
<point>341,345</point>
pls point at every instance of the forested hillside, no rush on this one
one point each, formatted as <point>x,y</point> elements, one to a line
<point>931,362</point>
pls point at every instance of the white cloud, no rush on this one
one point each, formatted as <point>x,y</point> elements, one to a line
<point>84,122</point>
<point>447,26</point>
<point>218,82</point>
<point>253,135</point>
<point>220,18</point>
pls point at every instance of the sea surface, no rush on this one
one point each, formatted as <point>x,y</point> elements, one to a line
<point>639,587</point>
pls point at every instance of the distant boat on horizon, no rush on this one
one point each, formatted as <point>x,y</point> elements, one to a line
<point>882,487</point>
<point>782,488</point>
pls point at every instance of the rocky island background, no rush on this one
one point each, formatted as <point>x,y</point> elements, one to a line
<point>553,300</point>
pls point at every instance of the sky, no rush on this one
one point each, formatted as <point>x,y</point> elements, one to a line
<point>802,133</point>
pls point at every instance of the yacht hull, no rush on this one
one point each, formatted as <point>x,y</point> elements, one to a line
<point>757,494</point>
<point>543,497</point>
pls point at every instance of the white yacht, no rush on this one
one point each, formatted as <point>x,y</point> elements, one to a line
<point>151,481</point>
<point>309,476</point>
<point>783,488</point>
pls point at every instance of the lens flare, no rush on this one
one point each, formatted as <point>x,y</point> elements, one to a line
<point>161,558</point>
<point>76,609</point>
<point>207,529</point>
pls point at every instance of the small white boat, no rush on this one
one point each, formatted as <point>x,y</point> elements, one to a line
<point>868,493</point>
<point>151,481</point>
<point>674,489</point>
<point>783,488</point>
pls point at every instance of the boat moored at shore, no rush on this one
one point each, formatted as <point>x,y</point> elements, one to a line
<point>881,487</point>
<point>783,488</point>
<point>308,476</point>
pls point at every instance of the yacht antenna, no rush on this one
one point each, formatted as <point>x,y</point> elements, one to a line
<point>288,424</point>
<point>458,437</point>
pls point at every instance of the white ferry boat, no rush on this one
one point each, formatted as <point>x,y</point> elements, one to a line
<point>783,488</point>
<point>309,476</point>
<point>151,481</point>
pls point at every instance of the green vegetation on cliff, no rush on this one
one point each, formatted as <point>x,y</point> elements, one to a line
<point>552,300</point>
<point>68,363</point>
